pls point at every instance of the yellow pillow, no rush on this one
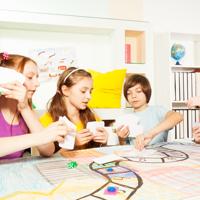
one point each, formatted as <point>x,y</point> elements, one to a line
<point>107,88</point>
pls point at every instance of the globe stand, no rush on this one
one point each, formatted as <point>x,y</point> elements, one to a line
<point>178,63</point>
<point>177,52</point>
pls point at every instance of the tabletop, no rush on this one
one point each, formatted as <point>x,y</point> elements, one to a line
<point>168,171</point>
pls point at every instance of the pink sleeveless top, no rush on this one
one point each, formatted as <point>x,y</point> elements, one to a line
<point>7,130</point>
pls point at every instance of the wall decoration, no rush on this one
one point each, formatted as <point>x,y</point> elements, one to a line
<point>53,61</point>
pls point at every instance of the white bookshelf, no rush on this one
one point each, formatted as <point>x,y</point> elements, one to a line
<point>99,42</point>
<point>177,83</point>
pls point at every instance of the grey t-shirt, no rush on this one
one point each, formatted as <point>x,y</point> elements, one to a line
<point>149,118</point>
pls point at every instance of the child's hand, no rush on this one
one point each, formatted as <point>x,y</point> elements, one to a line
<point>16,91</point>
<point>83,137</point>
<point>56,132</point>
<point>196,133</point>
<point>101,135</point>
<point>194,101</point>
<point>122,131</point>
<point>141,141</point>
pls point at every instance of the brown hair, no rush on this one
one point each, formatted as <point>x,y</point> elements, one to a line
<point>57,105</point>
<point>16,62</point>
<point>135,79</point>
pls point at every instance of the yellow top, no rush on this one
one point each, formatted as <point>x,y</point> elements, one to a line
<point>46,120</point>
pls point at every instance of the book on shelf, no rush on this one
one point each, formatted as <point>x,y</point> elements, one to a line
<point>193,85</point>
<point>185,133</point>
<point>197,83</point>
<point>128,53</point>
<point>189,88</point>
<point>181,86</point>
<point>183,130</point>
<point>185,85</point>
<point>177,87</point>
<point>181,125</point>
<point>189,123</point>
<point>174,86</point>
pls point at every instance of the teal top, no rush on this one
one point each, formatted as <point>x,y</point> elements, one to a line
<point>148,119</point>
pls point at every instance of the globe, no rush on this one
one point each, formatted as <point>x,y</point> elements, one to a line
<point>177,52</point>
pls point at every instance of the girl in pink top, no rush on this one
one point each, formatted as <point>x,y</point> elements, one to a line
<point>16,114</point>
<point>7,130</point>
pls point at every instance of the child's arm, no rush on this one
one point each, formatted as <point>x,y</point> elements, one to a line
<point>34,125</point>
<point>122,133</point>
<point>18,91</point>
<point>193,102</point>
<point>171,119</point>
<point>196,133</point>
<point>54,132</point>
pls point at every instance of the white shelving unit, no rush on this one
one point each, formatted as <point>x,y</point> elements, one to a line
<point>99,42</point>
<point>175,84</point>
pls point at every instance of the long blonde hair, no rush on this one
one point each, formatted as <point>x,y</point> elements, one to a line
<point>56,106</point>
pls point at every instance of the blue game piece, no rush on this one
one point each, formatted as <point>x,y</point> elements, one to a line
<point>111,189</point>
<point>109,169</point>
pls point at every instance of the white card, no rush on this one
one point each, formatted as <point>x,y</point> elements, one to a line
<point>132,122</point>
<point>143,153</point>
<point>10,75</point>
<point>69,141</point>
<point>92,126</point>
<point>70,137</point>
<point>68,122</point>
<point>107,158</point>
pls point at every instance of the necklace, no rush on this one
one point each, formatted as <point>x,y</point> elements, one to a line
<point>10,117</point>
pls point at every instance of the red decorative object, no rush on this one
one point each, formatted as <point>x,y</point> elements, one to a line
<point>62,67</point>
<point>127,53</point>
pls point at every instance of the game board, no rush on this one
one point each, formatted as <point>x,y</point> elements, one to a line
<point>170,171</point>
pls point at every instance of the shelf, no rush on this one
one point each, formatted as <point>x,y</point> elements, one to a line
<point>185,68</point>
<point>182,105</point>
<point>191,42</point>
<point>134,47</point>
<point>178,83</point>
<point>96,43</point>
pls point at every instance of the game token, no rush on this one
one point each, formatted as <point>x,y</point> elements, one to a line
<point>72,164</point>
<point>109,169</point>
<point>111,189</point>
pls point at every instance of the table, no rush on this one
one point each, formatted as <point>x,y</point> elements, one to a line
<point>167,171</point>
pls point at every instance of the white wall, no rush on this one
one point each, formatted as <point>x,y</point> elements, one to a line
<point>170,15</point>
<point>96,8</point>
<point>173,15</point>
<point>126,9</point>
<point>87,53</point>
<point>181,16</point>
<point>121,9</point>
<point>23,41</point>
